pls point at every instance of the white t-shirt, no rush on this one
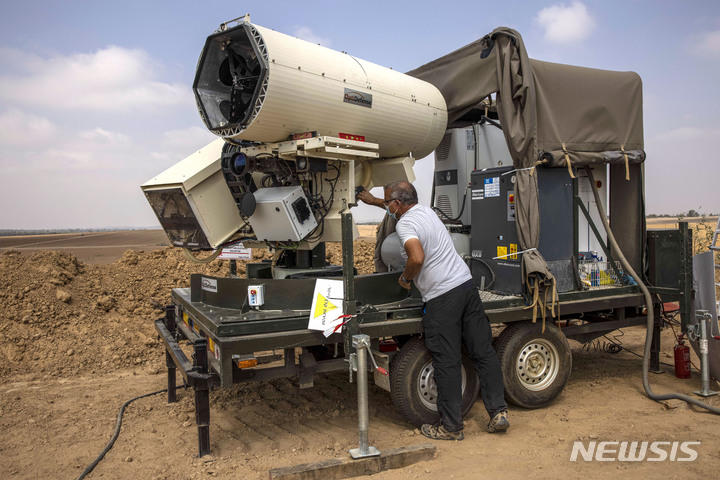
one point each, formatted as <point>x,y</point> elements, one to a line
<point>443,269</point>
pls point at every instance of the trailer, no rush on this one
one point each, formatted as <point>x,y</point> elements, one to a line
<point>232,343</point>
<point>555,147</point>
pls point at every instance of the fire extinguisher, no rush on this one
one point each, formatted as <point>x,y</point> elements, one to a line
<point>682,359</point>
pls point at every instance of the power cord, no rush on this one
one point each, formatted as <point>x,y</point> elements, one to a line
<point>118,424</point>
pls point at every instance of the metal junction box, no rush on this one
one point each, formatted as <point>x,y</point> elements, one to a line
<point>282,214</point>
<point>494,231</point>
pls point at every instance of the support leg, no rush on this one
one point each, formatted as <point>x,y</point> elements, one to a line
<point>171,376</point>
<point>202,399</point>
<point>169,363</point>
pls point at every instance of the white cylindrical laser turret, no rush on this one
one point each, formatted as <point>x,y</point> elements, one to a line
<point>255,84</point>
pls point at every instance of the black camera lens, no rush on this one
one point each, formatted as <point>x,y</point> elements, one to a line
<point>238,163</point>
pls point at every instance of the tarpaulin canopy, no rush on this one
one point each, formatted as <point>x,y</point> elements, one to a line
<point>551,114</point>
<point>587,110</point>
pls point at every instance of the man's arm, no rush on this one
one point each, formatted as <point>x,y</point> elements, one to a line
<point>416,257</point>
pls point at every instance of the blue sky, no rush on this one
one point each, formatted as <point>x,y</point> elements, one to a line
<point>95,96</point>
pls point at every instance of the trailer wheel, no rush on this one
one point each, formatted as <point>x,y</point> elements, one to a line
<point>535,365</point>
<point>412,384</point>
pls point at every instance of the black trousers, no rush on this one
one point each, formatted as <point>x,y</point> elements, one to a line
<point>454,318</point>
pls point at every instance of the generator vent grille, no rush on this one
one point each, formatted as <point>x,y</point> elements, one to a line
<point>443,150</point>
<point>442,202</point>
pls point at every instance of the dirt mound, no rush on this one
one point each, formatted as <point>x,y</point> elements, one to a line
<point>62,317</point>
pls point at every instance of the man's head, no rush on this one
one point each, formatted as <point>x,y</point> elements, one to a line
<point>400,196</point>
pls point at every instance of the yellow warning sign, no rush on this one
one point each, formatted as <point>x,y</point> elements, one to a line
<point>513,251</point>
<point>323,305</point>
<point>502,252</point>
<point>327,307</point>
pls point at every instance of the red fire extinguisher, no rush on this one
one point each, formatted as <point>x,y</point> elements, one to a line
<point>682,359</point>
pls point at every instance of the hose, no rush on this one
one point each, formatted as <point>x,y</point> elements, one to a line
<point>492,272</point>
<point>650,312</point>
<point>118,424</point>
<point>204,260</point>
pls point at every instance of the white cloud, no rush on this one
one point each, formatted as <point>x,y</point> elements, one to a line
<point>566,23</point>
<point>708,43</point>
<point>113,79</point>
<point>103,136</point>
<point>306,33</point>
<point>18,128</point>
<point>188,139</point>
<point>175,145</point>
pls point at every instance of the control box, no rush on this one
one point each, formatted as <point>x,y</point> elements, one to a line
<point>256,295</point>
<point>494,240</point>
<point>282,214</point>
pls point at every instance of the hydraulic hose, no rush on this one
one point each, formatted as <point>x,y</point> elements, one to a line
<point>650,312</point>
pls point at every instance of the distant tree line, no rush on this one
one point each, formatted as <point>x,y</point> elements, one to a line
<point>689,213</point>
<point>11,232</point>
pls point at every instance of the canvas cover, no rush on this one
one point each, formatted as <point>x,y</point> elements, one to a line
<point>552,114</point>
<point>542,105</point>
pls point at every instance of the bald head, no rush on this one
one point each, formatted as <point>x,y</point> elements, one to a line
<point>403,191</point>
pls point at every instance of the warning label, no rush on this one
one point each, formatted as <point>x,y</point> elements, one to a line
<point>326,310</point>
<point>492,187</point>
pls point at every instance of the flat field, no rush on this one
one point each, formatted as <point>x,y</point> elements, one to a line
<point>68,364</point>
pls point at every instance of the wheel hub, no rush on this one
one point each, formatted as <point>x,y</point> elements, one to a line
<point>427,388</point>
<point>538,364</point>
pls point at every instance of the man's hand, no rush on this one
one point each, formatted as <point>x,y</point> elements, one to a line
<point>404,284</point>
<point>369,198</point>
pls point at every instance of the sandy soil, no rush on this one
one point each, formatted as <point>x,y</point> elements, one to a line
<point>68,364</point>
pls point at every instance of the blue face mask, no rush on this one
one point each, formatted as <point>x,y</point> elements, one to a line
<point>391,215</point>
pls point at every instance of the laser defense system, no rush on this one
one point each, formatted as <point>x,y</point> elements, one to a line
<point>518,143</point>
<point>301,127</point>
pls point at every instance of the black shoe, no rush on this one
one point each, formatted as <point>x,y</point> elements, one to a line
<point>499,423</point>
<point>438,432</point>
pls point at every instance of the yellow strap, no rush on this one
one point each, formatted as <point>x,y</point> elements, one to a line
<point>567,161</point>
<point>627,163</point>
<point>556,299</point>
<point>536,298</point>
<point>544,305</point>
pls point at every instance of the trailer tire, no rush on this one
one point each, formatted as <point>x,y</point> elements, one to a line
<point>412,384</point>
<point>536,366</point>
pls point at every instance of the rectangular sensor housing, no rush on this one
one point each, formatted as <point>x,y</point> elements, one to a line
<point>282,214</point>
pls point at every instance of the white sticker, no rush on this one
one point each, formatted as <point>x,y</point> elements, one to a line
<point>209,284</point>
<point>477,194</point>
<point>703,346</point>
<point>492,187</point>
<point>236,252</point>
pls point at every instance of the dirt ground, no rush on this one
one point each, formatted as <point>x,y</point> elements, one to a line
<point>77,341</point>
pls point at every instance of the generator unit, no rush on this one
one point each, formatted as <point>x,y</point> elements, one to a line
<point>494,240</point>
<point>461,151</point>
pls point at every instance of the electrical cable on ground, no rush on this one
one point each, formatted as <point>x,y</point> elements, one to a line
<point>650,310</point>
<point>118,424</point>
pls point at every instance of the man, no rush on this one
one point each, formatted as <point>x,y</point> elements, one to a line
<point>453,313</point>
<point>386,227</point>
